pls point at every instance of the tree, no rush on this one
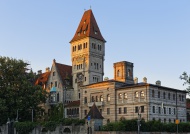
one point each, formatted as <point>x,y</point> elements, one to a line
<point>186,78</point>
<point>17,91</point>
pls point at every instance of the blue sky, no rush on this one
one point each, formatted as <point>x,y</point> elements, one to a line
<point>153,34</point>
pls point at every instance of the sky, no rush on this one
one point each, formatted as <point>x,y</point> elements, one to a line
<point>153,34</point>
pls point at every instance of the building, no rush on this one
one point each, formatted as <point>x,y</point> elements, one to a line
<point>120,98</point>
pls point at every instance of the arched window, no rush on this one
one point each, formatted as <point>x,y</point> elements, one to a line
<point>129,72</point>
<point>84,46</point>
<point>136,94</point>
<point>75,48</point>
<point>118,73</point>
<point>101,98</point>
<point>108,97</point>
<point>125,95</point>
<point>120,95</point>
<point>96,98</point>
<point>92,99</point>
<point>142,93</point>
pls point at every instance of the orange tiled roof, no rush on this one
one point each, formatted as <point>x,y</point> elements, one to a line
<point>65,71</point>
<point>43,78</point>
<point>74,104</point>
<point>88,28</point>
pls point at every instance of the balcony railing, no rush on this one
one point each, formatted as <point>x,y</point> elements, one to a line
<point>100,103</point>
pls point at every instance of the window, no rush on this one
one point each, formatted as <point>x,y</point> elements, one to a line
<point>101,98</point>
<point>125,110</point>
<point>153,109</point>
<point>85,100</point>
<point>169,110</point>
<point>97,99</point>
<point>152,93</point>
<point>79,95</point>
<point>100,48</point>
<point>125,95</point>
<point>120,95</point>
<point>85,112</point>
<point>159,110</point>
<point>173,96</point>
<point>84,78</point>
<point>158,94</point>
<point>136,109</point>
<point>119,110</point>
<point>54,73</point>
<point>108,97</point>
<point>169,96</point>
<point>108,121</point>
<point>164,110</point>
<point>118,73</point>
<point>164,95</point>
<point>136,94</point>
<point>169,120</point>
<point>92,99</point>
<point>57,97</point>
<point>142,109</point>
<point>179,97</point>
<point>55,83</point>
<point>75,80</point>
<point>164,120</point>
<point>182,98</point>
<point>142,93</point>
<point>108,110</point>
<point>129,72</point>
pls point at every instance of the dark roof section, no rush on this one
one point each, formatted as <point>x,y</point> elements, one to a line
<point>94,113</point>
<point>74,104</point>
<point>88,28</point>
<point>65,71</point>
<point>147,84</point>
<point>42,78</point>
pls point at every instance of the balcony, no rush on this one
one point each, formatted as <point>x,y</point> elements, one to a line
<point>100,103</point>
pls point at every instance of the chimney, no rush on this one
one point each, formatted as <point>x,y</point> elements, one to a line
<point>158,83</point>
<point>106,79</point>
<point>145,80</point>
<point>47,69</point>
<point>136,80</point>
<point>39,72</point>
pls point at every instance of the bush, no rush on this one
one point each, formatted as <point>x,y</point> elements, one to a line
<point>24,127</point>
<point>51,125</point>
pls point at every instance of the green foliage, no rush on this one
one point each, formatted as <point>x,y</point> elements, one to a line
<point>51,125</point>
<point>186,78</point>
<point>150,126</point>
<point>17,91</point>
<point>24,127</point>
<point>56,112</point>
<point>69,121</point>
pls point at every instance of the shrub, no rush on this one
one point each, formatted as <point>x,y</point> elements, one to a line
<point>24,127</point>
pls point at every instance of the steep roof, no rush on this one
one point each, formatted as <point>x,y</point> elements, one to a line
<point>88,28</point>
<point>65,71</point>
<point>74,104</point>
<point>94,113</point>
<point>43,78</point>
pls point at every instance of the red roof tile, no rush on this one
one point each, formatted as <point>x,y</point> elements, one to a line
<point>65,71</point>
<point>43,78</point>
<point>88,28</point>
<point>74,104</point>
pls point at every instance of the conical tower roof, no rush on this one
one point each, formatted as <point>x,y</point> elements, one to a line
<point>94,113</point>
<point>88,28</point>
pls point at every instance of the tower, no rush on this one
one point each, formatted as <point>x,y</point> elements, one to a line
<point>87,53</point>
<point>123,71</point>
